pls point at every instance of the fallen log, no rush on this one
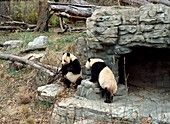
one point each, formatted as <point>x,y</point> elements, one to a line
<point>7,17</point>
<point>73,10</point>
<point>16,25</point>
<point>10,28</point>
<point>83,5</point>
<point>14,58</point>
<point>82,10</point>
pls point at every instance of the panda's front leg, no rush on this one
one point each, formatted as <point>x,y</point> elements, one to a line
<point>67,82</point>
<point>94,77</point>
<point>78,82</point>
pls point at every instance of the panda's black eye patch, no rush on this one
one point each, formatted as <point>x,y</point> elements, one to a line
<point>64,60</point>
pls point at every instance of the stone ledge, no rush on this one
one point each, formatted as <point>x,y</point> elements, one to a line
<point>132,108</point>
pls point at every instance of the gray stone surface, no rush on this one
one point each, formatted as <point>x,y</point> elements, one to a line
<point>114,31</point>
<point>88,90</point>
<point>50,92</point>
<point>38,42</point>
<point>139,104</point>
<point>13,44</point>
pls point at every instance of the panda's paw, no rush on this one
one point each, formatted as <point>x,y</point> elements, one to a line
<point>68,86</point>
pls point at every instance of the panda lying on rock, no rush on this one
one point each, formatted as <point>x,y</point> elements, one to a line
<point>71,70</point>
<point>101,73</point>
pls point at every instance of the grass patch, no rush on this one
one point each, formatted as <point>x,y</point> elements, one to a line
<point>56,41</point>
<point>42,104</point>
<point>16,73</point>
<point>64,41</point>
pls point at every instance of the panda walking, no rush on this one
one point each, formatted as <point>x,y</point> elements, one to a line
<point>101,73</point>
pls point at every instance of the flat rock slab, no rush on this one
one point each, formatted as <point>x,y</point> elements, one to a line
<point>50,92</point>
<point>134,108</point>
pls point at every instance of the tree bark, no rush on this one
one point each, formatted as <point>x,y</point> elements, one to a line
<point>43,16</point>
<point>73,10</point>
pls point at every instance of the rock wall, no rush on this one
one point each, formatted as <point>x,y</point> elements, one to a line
<point>113,31</point>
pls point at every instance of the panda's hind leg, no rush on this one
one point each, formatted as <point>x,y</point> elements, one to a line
<point>109,96</point>
<point>102,92</point>
<point>67,82</point>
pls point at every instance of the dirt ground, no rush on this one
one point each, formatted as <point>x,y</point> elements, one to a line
<point>18,100</point>
<point>19,103</point>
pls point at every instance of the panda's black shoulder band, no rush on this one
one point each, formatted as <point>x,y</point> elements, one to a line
<point>68,54</point>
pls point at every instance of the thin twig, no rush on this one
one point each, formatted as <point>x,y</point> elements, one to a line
<point>125,76</point>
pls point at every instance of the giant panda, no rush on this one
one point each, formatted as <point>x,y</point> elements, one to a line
<point>101,73</point>
<point>71,70</point>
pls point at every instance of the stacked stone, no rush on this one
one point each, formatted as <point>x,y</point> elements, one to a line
<point>112,31</point>
<point>88,90</point>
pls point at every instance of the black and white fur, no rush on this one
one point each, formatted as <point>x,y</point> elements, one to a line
<point>101,73</point>
<point>71,70</point>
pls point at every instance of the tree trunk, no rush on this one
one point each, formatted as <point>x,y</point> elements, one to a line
<point>43,16</point>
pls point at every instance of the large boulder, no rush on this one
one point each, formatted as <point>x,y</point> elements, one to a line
<point>38,42</point>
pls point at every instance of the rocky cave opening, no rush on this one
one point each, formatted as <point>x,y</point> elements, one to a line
<point>146,67</point>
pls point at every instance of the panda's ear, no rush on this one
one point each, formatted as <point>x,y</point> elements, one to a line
<point>63,53</point>
<point>68,54</point>
<point>89,59</point>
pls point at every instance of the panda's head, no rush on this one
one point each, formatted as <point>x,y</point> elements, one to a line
<point>67,58</point>
<point>90,62</point>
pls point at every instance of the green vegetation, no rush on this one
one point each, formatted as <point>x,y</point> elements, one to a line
<point>42,104</point>
<point>70,38</point>
<point>16,73</point>
<point>26,11</point>
<point>53,38</point>
<point>24,36</point>
<point>54,21</point>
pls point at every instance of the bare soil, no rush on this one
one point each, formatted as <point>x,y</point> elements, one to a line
<point>19,103</point>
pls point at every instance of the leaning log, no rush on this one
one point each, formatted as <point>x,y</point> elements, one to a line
<point>14,58</point>
<point>64,27</point>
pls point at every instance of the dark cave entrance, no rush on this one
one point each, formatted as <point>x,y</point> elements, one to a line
<point>146,67</point>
